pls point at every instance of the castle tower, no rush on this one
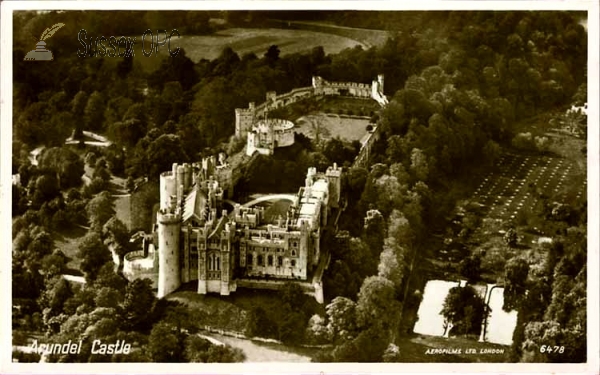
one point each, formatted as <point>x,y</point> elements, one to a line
<point>305,250</point>
<point>226,254</point>
<point>187,177</point>
<point>333,175</point>
<point>244,119</point>
<point>380,81</point>
<point>169,275</point>
<point>168,188</point>
<point>202,287</point>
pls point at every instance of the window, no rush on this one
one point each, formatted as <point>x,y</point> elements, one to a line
<point>280,261</point>
<point>260,260</point>
<point>293,253</point>
<point>293,263</point>
<point>294,244</point>
<point>218,268</point>
<point>249,260</point>
<point>210,262</point>
<point>270,260</point>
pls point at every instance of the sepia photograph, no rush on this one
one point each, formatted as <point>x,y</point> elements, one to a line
<point>298,186</point>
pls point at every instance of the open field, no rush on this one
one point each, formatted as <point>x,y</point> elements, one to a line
<point>326,126</point>
<point>368,37</point>
<point>68,241</point>
<point>243,40</point>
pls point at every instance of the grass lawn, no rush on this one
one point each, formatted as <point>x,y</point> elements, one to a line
<point>67,240</point>
<point>123,210</point>
<point>369,37</point>
<point>244,40</point>
<point>278,208</point>
<point>332,126</point>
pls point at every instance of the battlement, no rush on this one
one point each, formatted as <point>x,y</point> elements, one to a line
<point>333,171</point>
<point>166,217</point>
<point>248,216</point>
<point>278,125</point>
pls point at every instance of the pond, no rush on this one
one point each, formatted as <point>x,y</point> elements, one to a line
<point>261,352</point>
<point>500,324</point>
<point>430,321</point>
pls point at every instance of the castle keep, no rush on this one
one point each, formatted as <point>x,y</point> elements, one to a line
<point>266,134</point>
<point>197,239</point>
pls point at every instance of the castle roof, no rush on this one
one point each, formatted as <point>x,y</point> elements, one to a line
<point>219,226</point>
<point>194,206</point>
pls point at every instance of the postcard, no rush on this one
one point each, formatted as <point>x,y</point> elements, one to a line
<point>300,187</point>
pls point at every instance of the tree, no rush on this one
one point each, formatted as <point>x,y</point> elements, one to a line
<point>368,346</point>
<point>470,267</point>
<point>164,345</point>
<point>511,237</point>
<point>515,278</point>
<point>392,263</point>
<point>292,326</point>
<point>45,189</point>
<point>108,297</point>
<point>78,104</point>
<point>464,309</point>
<point>293,295</point>
<point>139,301</point>
<point>116,236</point>
<point>317,331</point>
<point>419,164</point>
<point>225,354</point>
<point>93,254</point>
<point>94,111</point>
<point>377,303</point>
<point>196,349</point>
<point>258,324</point>
<point>272,55</point>
<point>162,153</point>
<point>392,354</point>
<point>342,318</point>
<point>99,210</point>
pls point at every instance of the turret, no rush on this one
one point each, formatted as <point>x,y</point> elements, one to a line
<point>187,177</point>
<point>169,273</point>
<point>380,81</point>
<point>333,175</point>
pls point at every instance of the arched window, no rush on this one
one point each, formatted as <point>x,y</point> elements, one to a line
<point>210,262</point>
<point>293,263</point>
<point>218,267</point>
<point>293,253</point>
<point>270,260</point>
<point>250,260</point>
<point>260,260</point>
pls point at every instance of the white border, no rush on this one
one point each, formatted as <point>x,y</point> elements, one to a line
<point>6,366</point>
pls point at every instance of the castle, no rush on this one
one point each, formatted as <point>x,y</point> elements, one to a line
<point>266,134</point>
<point>196,239</point>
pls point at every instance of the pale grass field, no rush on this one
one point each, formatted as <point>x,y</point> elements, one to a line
<point>242,41</point>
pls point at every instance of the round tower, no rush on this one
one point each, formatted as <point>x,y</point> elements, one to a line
<point>169,273</point>
<point>167,189</point>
